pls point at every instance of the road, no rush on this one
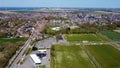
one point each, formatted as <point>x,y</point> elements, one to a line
<point>15,64</point>
<point>26,46</point>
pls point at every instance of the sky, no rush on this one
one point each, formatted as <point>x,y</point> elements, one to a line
<point>61,3</point>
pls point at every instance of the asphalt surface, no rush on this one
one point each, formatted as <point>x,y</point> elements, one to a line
<point>30,64</point>
<point>46,43</point>
<point>15,64</point>
<point>46,60</point>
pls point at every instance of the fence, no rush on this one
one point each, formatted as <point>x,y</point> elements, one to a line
<point>97,65</point>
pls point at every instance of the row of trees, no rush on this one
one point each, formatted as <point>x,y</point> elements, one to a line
<point>71,31</point>
<point>84,28</point>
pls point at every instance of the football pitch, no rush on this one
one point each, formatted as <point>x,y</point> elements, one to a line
<point>70,57</point>
<point>112,35</point>
<point>75,56</point>
<point>106,55</point>
<point>86,37</point>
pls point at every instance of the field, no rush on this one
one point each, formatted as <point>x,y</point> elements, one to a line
<point>112,35</point>
<point>70,57</point>
<point>86,37</point>
<point>106,55</point>
<point>102,37</point>
<point>42,66</point>
<point>13,40</point>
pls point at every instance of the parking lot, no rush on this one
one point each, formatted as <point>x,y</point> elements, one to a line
<point>29,63</point>
<point>44,44</point>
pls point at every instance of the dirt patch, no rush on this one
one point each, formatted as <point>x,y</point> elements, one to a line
<point>117,31</point>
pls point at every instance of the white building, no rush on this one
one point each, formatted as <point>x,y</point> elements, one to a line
<point>35,58</point>
<point>56,28</point>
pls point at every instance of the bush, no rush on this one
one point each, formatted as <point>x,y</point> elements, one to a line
<point>3,62</point>
<point>34,48</point>
<point>8,49</point>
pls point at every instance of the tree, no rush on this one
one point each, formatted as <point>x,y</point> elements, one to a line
<point>3,62</point>
<point>34,48</point>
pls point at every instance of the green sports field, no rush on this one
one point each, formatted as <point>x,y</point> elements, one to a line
<point>70,57</point>
<point>85,37</point>
<point>112,35</point>
<point>13,40</point>
<point>106,55</point>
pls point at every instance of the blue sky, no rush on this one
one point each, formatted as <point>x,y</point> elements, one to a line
<point>61,3</point>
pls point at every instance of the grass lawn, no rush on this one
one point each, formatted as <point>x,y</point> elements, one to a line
<point>112,35</point>
<point>102,37</point>
<point>106,55</point>
<point>86,37</point>
<point>13,40</point>
<point>42,66</point>
<point>70,57</point>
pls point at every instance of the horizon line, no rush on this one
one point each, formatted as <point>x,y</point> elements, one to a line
<point>61,7</point>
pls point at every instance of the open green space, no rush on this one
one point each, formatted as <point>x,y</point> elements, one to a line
<point>112,35</point>
<point>106,55</point>
<point>69,57</point>
<point>13,40</point>
<point>82,37</point>
<point>42,66</point>
<point>86,37</point>
<point>102,37</point>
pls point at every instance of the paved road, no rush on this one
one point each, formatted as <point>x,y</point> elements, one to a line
<point>28,63</point>
<point>26,46</point>
<point>20,56</point>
